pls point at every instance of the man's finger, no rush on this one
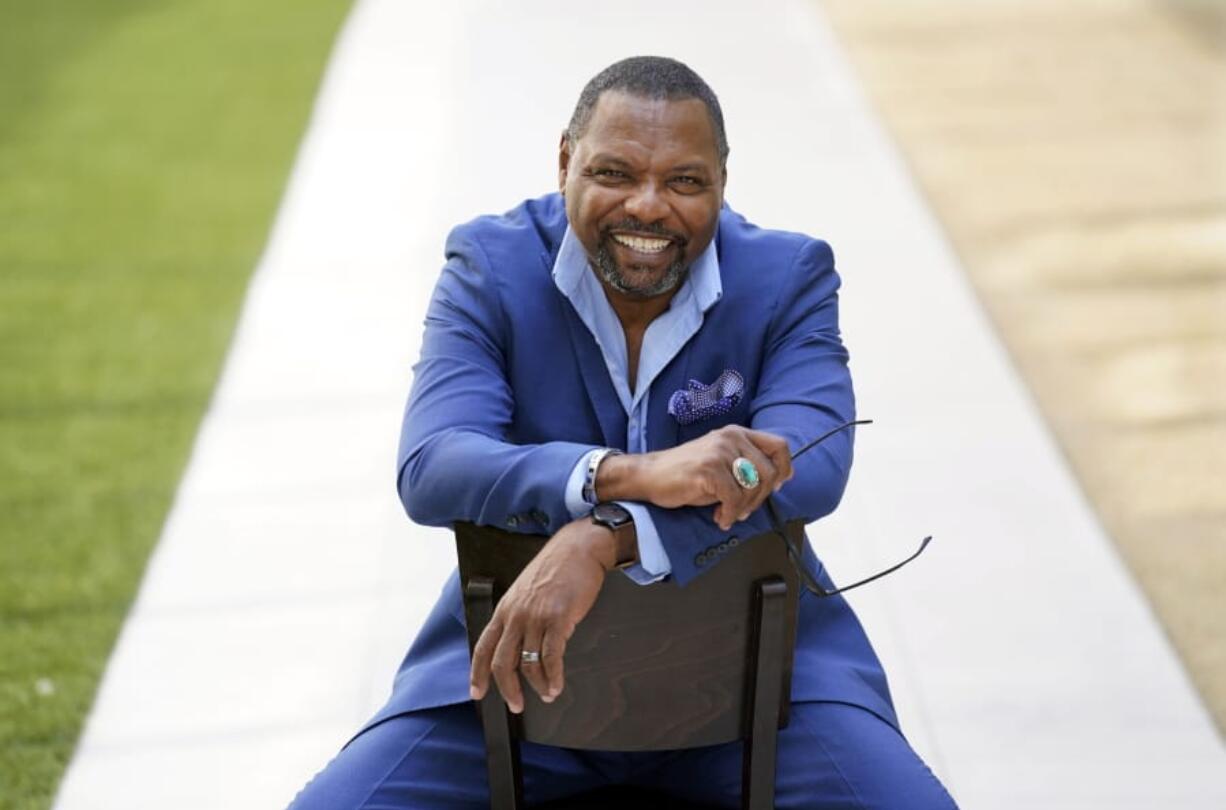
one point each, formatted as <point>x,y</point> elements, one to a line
<point>534,671</point>
<point>768,475</point>
<point>553,650</point>
<point>745,499</point>
<point>729,494</point>
<point>776,447</point>
<point>483,652</point>
<point>505,667</point>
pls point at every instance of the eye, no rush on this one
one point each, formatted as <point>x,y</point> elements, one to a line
<point>611,175</point>
<point>687,184</point>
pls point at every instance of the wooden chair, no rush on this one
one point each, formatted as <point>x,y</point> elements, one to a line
<point>652,667</point>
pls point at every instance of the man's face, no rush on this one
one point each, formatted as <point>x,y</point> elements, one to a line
<point>643,189</point>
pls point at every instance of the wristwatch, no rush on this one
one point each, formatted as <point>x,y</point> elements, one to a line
<point>617,518</point>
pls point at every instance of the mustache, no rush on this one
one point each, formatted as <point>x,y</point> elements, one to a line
<point>632,225</point>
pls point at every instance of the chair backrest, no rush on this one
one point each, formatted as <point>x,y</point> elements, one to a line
<point>658,666</point>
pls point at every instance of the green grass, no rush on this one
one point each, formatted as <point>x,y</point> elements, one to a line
<point>143,148</point>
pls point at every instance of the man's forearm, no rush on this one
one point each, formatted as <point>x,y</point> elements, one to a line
<point>700,473</point>
<point>457,474</point>
<point>621,478</point>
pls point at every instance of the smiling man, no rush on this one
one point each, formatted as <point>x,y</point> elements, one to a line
<point>626,366</point>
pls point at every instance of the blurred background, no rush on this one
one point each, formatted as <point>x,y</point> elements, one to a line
<point>1073,153</point>
<point>144,145</point>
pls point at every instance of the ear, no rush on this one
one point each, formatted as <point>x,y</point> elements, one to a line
<point>563,161</point>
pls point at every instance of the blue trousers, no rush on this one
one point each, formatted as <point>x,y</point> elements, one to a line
<point>831,755</point>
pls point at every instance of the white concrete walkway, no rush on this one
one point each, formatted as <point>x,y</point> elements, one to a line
<point>288,583</point>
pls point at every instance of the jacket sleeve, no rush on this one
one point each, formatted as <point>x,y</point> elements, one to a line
<point>455,462</point>
<point>804,389</point>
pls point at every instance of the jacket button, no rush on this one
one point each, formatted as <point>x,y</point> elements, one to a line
<point>700,560</point>
<point>722,548</point>
<point>540,517</point>
<point>513,521</point>
<point>734,541</point>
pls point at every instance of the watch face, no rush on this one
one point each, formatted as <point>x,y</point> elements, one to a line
<point>612,514</point>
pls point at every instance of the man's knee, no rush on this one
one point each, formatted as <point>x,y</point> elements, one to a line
<point>838,755</point>
<point>435,758</point>
<point>431,758</point>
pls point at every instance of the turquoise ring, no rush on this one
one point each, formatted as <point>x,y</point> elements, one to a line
<point>745,473</point>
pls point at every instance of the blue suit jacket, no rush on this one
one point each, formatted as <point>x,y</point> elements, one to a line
<point>511,390</point>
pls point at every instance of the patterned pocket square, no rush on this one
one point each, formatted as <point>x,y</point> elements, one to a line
<point>696,401</point>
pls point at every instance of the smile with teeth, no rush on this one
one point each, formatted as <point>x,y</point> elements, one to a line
<point>643,244</point>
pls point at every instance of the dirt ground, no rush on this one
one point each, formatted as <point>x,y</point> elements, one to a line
<point>1076,154</point>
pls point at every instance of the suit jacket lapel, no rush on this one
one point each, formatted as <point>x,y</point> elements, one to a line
<point>599,387</point>
<point>662,429</point>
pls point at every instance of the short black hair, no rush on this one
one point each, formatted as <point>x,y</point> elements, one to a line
<point>654,77</point>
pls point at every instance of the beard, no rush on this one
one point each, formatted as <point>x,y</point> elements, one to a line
<point>619,278</point>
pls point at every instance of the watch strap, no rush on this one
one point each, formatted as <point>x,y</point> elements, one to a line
<point>618,527</point>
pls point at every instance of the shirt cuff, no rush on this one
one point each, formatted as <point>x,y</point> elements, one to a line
<point>653,564</point>
<point>575,504</point>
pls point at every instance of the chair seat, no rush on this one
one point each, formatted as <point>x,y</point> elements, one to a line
<point>621,797</point>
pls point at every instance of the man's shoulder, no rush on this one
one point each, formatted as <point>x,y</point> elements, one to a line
<point>532,229</point>
<point>767,251</point>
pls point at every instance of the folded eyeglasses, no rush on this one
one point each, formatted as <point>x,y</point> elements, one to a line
<point>777,525</point>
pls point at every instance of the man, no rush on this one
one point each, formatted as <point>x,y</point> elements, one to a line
<point>555,375</point>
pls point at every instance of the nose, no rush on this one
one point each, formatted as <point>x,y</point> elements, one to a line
<point>646,203</point>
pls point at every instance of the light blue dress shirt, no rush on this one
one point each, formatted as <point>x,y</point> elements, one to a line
<point>661,342</point>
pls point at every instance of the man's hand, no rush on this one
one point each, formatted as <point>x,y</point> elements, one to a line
<point>540,611</point>
<point>699,473</point>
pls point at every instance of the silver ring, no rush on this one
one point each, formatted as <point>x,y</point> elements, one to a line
<point>745,473</point>
<point>529,657</point>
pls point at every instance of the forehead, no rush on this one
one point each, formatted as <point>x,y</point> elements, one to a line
<point>678,129</point>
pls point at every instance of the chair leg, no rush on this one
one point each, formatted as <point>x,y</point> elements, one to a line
<point>501,751</point>
<point>766,696</point>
